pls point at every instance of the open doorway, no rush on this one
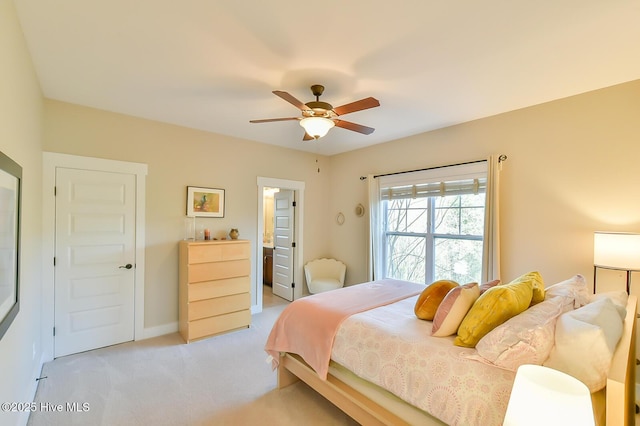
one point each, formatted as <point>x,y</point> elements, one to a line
<point>279,267</point>
<point>268,236</point>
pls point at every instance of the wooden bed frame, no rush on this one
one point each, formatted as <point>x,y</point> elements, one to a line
<point>614,405</point>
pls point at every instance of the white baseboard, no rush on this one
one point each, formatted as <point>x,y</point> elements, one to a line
<point>159,330</point>
<point>36,373</point>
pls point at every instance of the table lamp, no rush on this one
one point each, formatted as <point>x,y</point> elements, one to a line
<point>616,250</point>
<point>544,396</point>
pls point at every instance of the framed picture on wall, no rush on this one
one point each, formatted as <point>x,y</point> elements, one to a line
<point>205,202</point>
<point>10,180</point>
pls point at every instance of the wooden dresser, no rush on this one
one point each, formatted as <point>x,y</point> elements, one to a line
<point>214,295</point>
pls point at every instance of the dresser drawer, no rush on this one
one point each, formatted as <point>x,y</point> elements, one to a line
<point>218,270</point>
<point>218,306</point>
<point>218,252</point>
<point>214,294</point>
<point>218,324</point>
<point>218,288</point>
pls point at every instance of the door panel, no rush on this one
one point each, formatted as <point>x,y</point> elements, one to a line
<point>95,240</point>
<point>282,243</point>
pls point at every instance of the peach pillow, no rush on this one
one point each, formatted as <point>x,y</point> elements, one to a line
<point>453,309</point>
<point>431,297</point>
<point>486,286</point>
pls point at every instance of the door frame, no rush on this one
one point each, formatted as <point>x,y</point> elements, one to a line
<point>298,216</point>
<point>50,162</point>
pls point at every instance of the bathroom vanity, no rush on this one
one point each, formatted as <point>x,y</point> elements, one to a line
<point>267,265</point>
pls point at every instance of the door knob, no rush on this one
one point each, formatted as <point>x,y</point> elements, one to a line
<point>127,266</point>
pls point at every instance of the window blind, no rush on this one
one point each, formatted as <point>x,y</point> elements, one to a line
<point>443,181</point>
<point>439,189</point>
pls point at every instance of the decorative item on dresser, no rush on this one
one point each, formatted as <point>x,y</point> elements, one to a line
<point>214,295</point>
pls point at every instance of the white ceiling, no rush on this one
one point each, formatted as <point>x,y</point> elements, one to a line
<point>212,65</point>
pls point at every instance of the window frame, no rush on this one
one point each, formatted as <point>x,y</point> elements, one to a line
<point>430,237</point>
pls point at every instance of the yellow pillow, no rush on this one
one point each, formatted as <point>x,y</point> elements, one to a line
<point>538,286</point>
<point>492,308</point>
<point>431,297</point>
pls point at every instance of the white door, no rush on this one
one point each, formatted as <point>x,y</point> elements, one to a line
<point>283,244</point>
<point>94,259</point>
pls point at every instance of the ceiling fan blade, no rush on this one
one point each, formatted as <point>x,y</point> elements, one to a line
<point>291,99</point>
<point>307,137</point>
<point>357,106</point>
<point>353,126</point>
<point>268,120</point>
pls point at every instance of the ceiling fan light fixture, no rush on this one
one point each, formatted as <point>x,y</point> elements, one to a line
<point>317,127</point>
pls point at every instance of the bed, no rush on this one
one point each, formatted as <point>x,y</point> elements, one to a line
<point>335,342</point>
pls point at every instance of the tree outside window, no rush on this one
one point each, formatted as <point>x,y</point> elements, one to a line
<point>434,238</point>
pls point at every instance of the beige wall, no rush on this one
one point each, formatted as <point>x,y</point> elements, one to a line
<point>570,171</point>
<point>20,139</point>
<point>178,157</point>
<point>573,168</point>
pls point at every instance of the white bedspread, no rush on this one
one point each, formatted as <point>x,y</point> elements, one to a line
<point>390,347</point>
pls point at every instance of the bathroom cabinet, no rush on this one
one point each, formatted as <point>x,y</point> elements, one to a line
<point>214,289</point>
<point>267,266</point>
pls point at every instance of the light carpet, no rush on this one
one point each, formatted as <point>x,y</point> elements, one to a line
<point>223,380</point>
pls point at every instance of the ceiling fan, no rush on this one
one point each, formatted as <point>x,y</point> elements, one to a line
<point>319,117</point>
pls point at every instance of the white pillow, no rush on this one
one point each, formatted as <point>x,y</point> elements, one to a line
<point>585,340</point>
<point>574,288</point>
<point>619,298</point>
<point>526,338</point>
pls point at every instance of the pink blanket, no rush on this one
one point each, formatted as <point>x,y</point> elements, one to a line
<point>307,326</point>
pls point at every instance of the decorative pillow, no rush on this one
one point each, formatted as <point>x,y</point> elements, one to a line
<point>486,286</point>
<point>619,298</point>
<point>537,285</point>
<point>574,288</point>
<point>430,298</point>
<point>453,309</point>
<point>526,338</point>
<point>585,341</point>
<point>493,308</point>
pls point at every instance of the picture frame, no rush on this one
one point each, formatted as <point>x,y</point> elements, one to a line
<point>10,196</point>
<point>205,202</point>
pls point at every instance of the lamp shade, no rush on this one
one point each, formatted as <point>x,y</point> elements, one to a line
<point>544,396</point>
<point>616,250</point>
<point>317,127</point>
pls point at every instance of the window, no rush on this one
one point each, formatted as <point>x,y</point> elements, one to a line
<point>433,224</point>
